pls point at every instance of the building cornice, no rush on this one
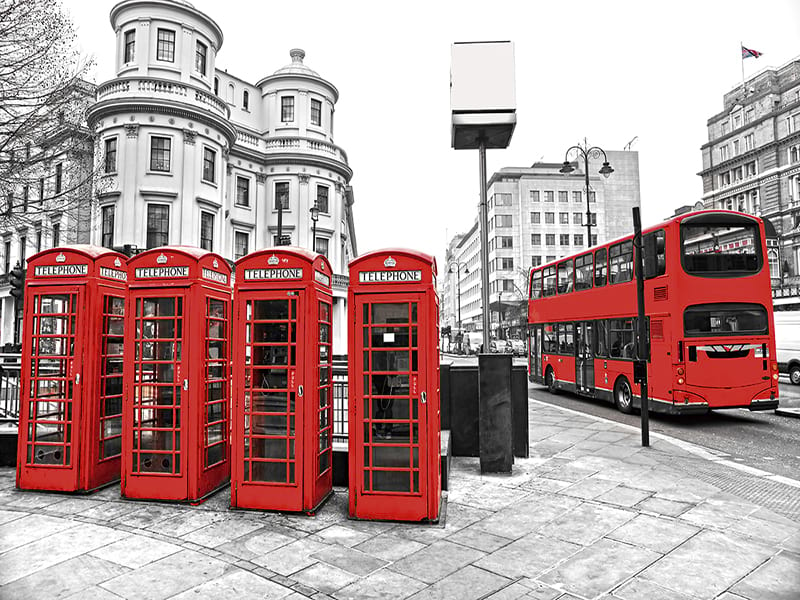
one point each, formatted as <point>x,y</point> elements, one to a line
<point>172,6</point>
<point>754,153</point>
<point>312,160</point>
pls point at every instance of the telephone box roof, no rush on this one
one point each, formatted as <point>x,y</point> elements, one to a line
<point>294,250</point>
<point>416,254</point>
<point>88,250</point>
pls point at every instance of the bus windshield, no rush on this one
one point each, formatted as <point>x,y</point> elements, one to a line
<point>723,248</point>
<point>725,319</point>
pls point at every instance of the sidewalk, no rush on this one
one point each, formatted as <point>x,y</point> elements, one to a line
<point>591,514</point>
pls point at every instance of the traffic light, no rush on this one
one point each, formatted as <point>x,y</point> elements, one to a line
<point>446,331</point>
<point>17,280</point>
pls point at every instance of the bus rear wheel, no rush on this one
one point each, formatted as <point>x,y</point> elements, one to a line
<point>550,380</point>
<point>794,374</point>
<point>623,396</point>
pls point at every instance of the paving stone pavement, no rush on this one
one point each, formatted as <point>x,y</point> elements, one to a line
<point>590,515</point>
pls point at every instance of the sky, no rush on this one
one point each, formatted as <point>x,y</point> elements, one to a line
<point>613,72</point>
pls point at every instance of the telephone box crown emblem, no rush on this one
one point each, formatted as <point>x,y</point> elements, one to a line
<point>117,262</point>
<point>215,263</point>
<point>389,262</point>
<point>162,259</point>
<point>60,258</point>
<point>273,260</point>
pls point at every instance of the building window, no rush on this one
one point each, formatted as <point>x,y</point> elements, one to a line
<point>563,196</point>
<point>165,48</point>
<point>322,198</point>
<point>207,231</point>
<point>534,195</point>
<point>130,45</point>
<point>41,189</point>
<point>209,165</point>
<point>200,58</point>
<point>157,225</point>
<point>536,261</point>
<point>577,239</point>
<point>563,239</point>
<point>160,153</point>
<point>505,263</point>
<point>246,100</point>
<point>536,217</point>
<point>550,239</point>
<point>38,240</point>
<point>506,242</point>
<point>576,197</point>
<point>321,246</point>
<point>592,197</point>
<point>241,244</point>
<point>23,246</point>
<point>216,86</point>
<point>282,195</point>
<point>549,218</point>
<point>794,154</point>
<point>505,221</point>
<point>242,191</point>
<point>7,256</point>
<point>59,173</point>
<point>548,196</point>
<point>723,152</point>
<point>749,142</point>
<point>593,219</point>
<point>316,112</point>
<point>287,240</point>
<point>563,218</point>
<point>56,234</point>
<point>287,109</point>
<point>748,115</point>
<point>536,239</point>
<point>108,226</point>
<point>502,199</point>
<point>110,165</point>
<point>576,218</point>
<point>736,147</point>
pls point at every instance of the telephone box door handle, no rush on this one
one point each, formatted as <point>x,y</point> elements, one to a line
<point>300,391</point>
<point>423,397</point>
<point>185,385</point>
<point>77,378</point>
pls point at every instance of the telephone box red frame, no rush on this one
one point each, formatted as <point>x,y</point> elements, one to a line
<point>394,425</point>
<point>282,382</point>
<point>176,407</point>
<point>71,396</point>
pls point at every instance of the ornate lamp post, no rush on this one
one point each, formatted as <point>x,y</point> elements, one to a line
<point>314,210</point>
<point>586,152</point>
<point>458,266</point>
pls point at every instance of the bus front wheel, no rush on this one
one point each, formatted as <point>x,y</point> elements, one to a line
<point>794,374</point>
<point>550,380</point>
<point>623,396</point>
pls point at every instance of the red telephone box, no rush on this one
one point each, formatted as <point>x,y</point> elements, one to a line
<point>283,388</point>
<point>393,374</point>
<point>175,413</point>
<point>71,399</point>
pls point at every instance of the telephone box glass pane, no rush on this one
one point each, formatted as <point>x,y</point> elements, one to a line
<point>51,382</point>
<point>111,377</point>
<point>216,362</point>
<point>390,389</point>
<point>157,387</point>
<point>325,391</point>
<point>270,415</point>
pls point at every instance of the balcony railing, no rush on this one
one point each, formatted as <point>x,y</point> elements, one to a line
<point>340,282</point>
<point>302,144</point>
<point>162,88</point>
<point>9,387</point>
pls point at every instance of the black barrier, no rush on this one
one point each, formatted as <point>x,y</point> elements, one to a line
<point>494,413</point>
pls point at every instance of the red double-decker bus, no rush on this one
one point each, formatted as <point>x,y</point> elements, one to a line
<point>708,307</point>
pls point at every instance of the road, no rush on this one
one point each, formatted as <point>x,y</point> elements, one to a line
<point>758,439</point>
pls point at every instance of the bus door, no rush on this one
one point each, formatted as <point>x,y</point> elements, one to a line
<point>535,349</point>
<point>584,357</point>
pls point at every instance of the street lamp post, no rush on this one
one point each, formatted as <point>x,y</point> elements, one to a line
<point>458,283</point>
<point>314,210</point>
<point>586,152</point>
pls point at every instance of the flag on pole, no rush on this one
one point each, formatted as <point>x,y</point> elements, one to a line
<point>747,53</point>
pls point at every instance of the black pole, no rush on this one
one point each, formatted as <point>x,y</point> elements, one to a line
<point>314,241</point>
<point>642,347</point>
<point>588,206</point>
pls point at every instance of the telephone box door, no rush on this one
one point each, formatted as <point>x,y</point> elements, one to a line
<point>273,398</point>
<point>391,403</point>
<point>159,378</point>
<point>52,404</point>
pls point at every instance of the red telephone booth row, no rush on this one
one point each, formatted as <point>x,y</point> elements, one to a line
<point>175,424</point>
<point>71,397</point>
<point>282,383</point>
<point>393,375</point>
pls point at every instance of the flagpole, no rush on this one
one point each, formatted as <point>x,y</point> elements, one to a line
<point>741,52</point>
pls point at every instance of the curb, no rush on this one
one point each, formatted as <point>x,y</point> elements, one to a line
<point>788,412</point>
<point>697,450</point>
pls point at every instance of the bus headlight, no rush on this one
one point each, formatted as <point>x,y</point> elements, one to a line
<point>775,376</point>
<point>680,380</point>
<point>680,370</point>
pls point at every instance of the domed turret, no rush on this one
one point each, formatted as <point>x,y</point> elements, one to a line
<point>296,67</point>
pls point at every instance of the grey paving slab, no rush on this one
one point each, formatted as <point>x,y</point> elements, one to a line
<point>638,589</point>
<point>718,512</point>
<point>688,490</point>
<point>468,583</point>
<point>221,531</point>
<point>523,517</point>
<point>325,578</point>
<point>586,523</point>
<point>257,543</point>
<point>56,548</point>
<point>654,533</point>
<point>186,522</point>
<point>10,515</point>
<point>623,495</point>
<point>792,543</point>
<point>62,580</point>
<point>663,506</point>
<point>609,436</point>
<point>436,561</point>
<point>390,546</point>
<point>30,528</point>
<point>343,534</point>
<point>599,568</point>
<point>353,561</point>
<point>290,558</point>
<point>776,579</point>
<point>767,531</point>
<point>708,564</point>
<point>238,584</point>
<point>590,488</point>
<point>93,593</point>
<point>146,515</point>
<point>136,551</point>
<point>546,484</point>
<point>71,506</point>
<point>488,497</point>
<point>529,556</point>
<point>380,585</point>
<point>477,538</point>
<point>107,511</point>
<point>461,515</point>
<point>510,592</point>
<point>538,590</point>
<point>166,577</point>
<point>32,500</point>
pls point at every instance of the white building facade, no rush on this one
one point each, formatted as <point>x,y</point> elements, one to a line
<point>536,215</point>
<point>193,155</point>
